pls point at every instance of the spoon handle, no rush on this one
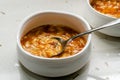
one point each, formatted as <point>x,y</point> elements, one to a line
<point>110,24</point>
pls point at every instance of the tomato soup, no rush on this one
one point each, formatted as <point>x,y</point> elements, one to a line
<point>108,7</point>
<point>39,42</point>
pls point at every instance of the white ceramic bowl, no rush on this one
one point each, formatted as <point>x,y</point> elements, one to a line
<point>53,67</point>
<point>97,19</point>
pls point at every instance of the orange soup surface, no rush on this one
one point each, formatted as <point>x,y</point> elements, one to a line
<point>108,7</point>
<point>39,41</point>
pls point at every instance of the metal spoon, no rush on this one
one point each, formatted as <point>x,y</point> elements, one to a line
<point>65,42</point>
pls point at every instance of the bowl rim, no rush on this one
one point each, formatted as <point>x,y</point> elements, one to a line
<point>57,12</point>
<point>102,14</point>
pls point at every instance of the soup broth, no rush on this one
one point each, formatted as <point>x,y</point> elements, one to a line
<point>39,42</point>
<point>108,7</point>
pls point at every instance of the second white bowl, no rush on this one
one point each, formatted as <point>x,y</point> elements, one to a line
<point>97,19</point>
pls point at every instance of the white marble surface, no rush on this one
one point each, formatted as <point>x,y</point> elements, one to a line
<point>105,59</point>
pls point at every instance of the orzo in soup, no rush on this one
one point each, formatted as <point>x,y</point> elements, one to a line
<point>39,41</point>
<point>108,7</point>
